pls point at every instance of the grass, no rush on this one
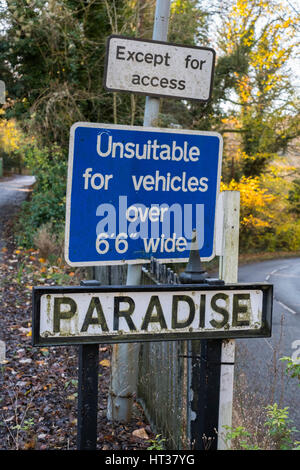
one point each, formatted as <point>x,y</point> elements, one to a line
<point>260,415</point>
<point>247,258</point>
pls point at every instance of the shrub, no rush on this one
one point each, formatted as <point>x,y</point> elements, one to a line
<point>11,138</point>
<point>255,212</point>
<point>277,427</point>
<point>288,236</point>
<point>294,197</point>
<point>266,224</point>
<point>46,241</point>
<point>47,204</point>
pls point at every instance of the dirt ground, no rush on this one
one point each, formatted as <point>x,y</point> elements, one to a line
<point>38,386</point>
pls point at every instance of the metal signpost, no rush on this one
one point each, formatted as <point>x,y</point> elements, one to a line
<point>123,388</point>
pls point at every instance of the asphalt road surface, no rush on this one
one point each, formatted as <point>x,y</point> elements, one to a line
<point>257,358</point>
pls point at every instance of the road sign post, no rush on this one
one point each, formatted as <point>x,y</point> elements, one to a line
<point>121,392</point>
<point>228,271</point>
<point>88,365</point>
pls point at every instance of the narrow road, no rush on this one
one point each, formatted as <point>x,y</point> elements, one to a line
<point>13,191</point>
<point>258,359</point>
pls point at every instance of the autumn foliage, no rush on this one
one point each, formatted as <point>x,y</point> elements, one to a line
<point>266,223</point>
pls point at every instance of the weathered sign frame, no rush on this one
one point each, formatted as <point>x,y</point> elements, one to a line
<point>136,130</point>
<point>155,42</point>
<point>263,331</point>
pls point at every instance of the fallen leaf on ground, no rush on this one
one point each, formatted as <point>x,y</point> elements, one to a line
<point>25,361</point>
<point>140,433</point>
<point>105,363</point>
<point>72,397</point>
<point>30,444</point>
<point>24,331</point>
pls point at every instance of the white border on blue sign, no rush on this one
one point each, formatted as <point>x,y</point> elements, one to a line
<point>69,190</point>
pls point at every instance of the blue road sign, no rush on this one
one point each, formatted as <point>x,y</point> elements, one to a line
<point>137,192</point>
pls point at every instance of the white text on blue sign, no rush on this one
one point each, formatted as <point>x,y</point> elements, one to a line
<point>134,193</point>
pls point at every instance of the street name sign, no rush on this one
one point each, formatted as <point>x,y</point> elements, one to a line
<point>138,192</point>
<point>114,314</point>
<point>159,68</point>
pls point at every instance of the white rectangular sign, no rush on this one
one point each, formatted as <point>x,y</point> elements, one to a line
<point>129,314</point>
<point>159,68</point>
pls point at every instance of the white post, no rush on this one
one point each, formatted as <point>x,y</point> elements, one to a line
<point>228,271</point>
<point>2,352</point>
<point>2,92</point>
<point>124,366</point>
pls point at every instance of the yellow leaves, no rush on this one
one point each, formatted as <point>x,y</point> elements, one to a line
<point>255,201</point>
<point>251,192</point>
<point>277,172</point>
<point>177,6</point>
<point>242,8</point>
<point>245,88</point>
<point>232,122</point>
<point>269,40</point>
<point>10,135</point>
<point>254,222</point>
<point>105,363</point>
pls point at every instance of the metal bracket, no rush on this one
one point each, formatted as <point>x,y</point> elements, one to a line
<point>90,283</point>
<point>215,281</point>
